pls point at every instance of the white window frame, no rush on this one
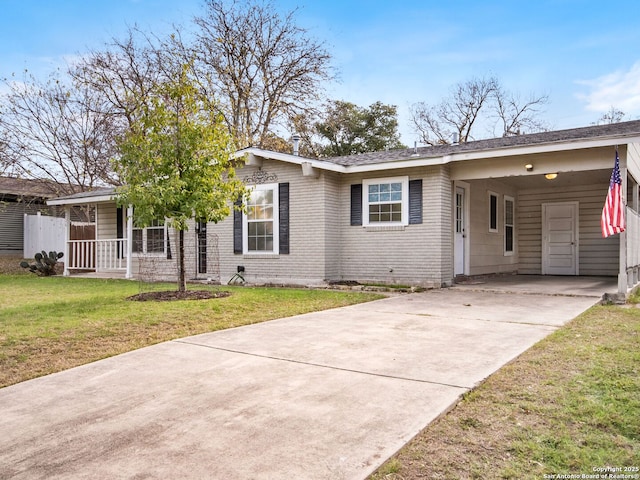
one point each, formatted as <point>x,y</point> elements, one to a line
<point>497,197</point>
<point>404,202</point>
<point>512,225</point>
<point>275,219</point>
<point>145,231</point>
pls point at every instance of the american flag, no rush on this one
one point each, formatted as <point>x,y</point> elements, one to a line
<point>612,220</point>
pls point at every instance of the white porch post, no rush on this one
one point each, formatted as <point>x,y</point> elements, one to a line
<point>129,240</point>
<point>622,273</point>
<point>67,236</point>
<point>622,256</point>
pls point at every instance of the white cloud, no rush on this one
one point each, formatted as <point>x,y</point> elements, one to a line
<point>620,89</point>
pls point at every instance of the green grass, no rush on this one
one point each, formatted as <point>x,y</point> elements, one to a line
<point>566,406</point>
<point>50,324</point>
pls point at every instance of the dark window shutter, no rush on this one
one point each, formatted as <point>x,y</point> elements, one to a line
<point>237,228</point>
<point>169,256</point>
<point>120,229</point>
<point>415,202</point>
<point>283,200</point>
<point>356,204</point>
<point>119,223</point>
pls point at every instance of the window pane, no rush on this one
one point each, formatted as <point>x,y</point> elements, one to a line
<point>137,241</point>
<point>508,212</point>
<point>155,240</point>
<point>459,199</point>
<point>260,236</point>
<point>493,212</point>
<point>508,238</point>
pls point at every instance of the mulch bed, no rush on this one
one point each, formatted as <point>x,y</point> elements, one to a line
<point>170,295</point>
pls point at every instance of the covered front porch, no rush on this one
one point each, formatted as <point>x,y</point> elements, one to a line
<point>98,234</point>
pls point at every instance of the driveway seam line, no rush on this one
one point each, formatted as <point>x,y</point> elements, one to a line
<point>270,357</point>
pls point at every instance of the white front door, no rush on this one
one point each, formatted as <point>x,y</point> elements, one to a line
<point>560,238</point>
<point>460,232</point>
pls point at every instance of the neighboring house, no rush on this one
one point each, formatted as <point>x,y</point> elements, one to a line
<point>420,216</point>
<point>18,197</point>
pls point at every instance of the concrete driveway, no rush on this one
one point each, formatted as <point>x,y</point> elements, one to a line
<point>327,395</point>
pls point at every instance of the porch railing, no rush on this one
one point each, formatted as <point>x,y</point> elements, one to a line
<point>98,255</point>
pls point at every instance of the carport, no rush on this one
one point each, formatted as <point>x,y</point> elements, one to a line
<point>557,285</point>
<point>536,211</point>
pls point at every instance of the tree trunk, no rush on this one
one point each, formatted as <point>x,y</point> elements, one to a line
<point>182,281</point>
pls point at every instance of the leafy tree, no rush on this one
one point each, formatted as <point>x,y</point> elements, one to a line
<point>469,104</point>
<point>175,161</point>
<point>262,67</point>
<point>347,129</point>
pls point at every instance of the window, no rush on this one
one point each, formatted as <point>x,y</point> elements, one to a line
<point>261,220</point>
<point>493,212</point>
<point>508,225</point>
<point>386,201</point>
<point>151,239</point>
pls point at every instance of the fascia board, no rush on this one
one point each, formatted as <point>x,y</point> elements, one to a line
<point>288,158</point>
<point>377,167</point>
<point>81,201</point>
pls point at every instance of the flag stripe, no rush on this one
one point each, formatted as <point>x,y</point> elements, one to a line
<point>613,220</point>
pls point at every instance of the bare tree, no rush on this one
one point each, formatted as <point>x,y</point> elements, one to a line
<point>5,162</point>
<point>51,132</point>
<point>456,114</point>
<point>123,74</point>
<point>470,103</point>
<point>263,68</point>
<point>517,116</point>
<point>613,115</point>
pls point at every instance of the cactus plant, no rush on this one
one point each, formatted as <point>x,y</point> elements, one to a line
<point>45,264</point>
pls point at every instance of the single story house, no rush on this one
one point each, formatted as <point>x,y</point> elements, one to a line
<point>527,204</point>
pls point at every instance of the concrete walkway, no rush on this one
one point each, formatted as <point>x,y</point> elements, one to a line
<point>327,395</point>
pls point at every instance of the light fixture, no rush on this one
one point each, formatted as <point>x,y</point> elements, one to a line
<point>550,176</point>
<point>528,167</point>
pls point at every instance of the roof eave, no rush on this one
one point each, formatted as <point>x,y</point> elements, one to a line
<point>81,200</point>
<point>247,154</point>
<point>558,146</point>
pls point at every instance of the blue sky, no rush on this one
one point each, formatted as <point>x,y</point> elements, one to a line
<point>583,54</point>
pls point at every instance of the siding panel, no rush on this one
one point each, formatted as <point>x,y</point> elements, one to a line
<point>597,256</point>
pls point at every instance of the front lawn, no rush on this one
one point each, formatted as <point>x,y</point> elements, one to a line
<point>567,408</point>
<point>51,324</point>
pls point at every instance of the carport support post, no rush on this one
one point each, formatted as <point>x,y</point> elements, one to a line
<point>622,273</point>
